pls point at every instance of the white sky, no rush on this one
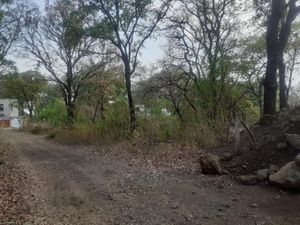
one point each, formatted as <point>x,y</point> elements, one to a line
<point>150,54</point>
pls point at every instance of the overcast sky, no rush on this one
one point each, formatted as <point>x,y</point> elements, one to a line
<point>150,54</point>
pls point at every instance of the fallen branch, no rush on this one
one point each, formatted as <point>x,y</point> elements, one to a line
<point>249,132</point>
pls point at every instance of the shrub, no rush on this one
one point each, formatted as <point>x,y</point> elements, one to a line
<point>113,128</point>
<point>54,113</point>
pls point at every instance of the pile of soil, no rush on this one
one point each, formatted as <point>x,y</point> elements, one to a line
<point>270,132</point>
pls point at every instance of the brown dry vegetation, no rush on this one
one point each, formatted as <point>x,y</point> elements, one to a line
<point>13,207</point>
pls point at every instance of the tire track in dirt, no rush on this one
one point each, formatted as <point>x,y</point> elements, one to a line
<point>73,185</point>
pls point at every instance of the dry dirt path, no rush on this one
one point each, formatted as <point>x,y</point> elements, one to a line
<point>73,185</point>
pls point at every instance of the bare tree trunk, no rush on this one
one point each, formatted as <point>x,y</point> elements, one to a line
<point>291,70</point>
<point>270,82</point>
<point>249,131</point>
<point>285,31</point>
<point>70,106</point>
<point>102,116</point>
<point>130,99</point>
<point>214,112</point>
<point>282,84</point>
<point>237,135</point>
<point>71,112</point>
<point>270,91</point>
<point>96,112</point>
<point>30,112</point>
<point>192,106</point>
<point>288,90</point>
<point>260,100</point>
<point>177,110</point>
<point>99,110</point>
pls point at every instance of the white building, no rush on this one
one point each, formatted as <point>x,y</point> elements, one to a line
<point>9,114</point>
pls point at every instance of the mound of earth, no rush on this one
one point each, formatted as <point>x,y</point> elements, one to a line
<point>273,146</point>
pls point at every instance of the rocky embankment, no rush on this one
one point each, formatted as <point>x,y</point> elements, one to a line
<point>271,155</point>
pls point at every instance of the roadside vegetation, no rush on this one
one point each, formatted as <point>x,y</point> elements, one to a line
<point>89,85</point>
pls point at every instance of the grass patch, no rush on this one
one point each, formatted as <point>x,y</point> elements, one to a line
<point>150,129</point>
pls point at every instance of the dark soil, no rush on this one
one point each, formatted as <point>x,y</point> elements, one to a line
<point>264,153</point>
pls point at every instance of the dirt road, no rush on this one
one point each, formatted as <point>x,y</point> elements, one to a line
<point>73,185</point>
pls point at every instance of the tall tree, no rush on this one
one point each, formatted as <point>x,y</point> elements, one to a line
<point>201,42</point>
<point>58,42</point>
<point>14,16</point>
<point>131,24</point>
<point>290,11</point>
<point>280,18</point>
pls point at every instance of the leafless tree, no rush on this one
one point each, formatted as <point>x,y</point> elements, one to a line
<point>98,89</point>
<point>169,85</point>
<point>57,40</point>
<point>14,17</point>
<point>202,39</point>
<point>252,65</point>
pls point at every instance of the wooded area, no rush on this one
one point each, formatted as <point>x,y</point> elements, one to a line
<point>149,112</point>
<point>223,60</point>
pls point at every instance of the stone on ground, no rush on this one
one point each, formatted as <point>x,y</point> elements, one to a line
<point>282,146</point>
<point>289,175</point>
<point>294,140</point>
<point>249,179</point>
<point>262,174</point>
<point>210,164</point>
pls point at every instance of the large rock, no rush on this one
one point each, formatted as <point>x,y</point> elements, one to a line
<point>293,140</point>
<point>210,164</point>
<point>289,175</point>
